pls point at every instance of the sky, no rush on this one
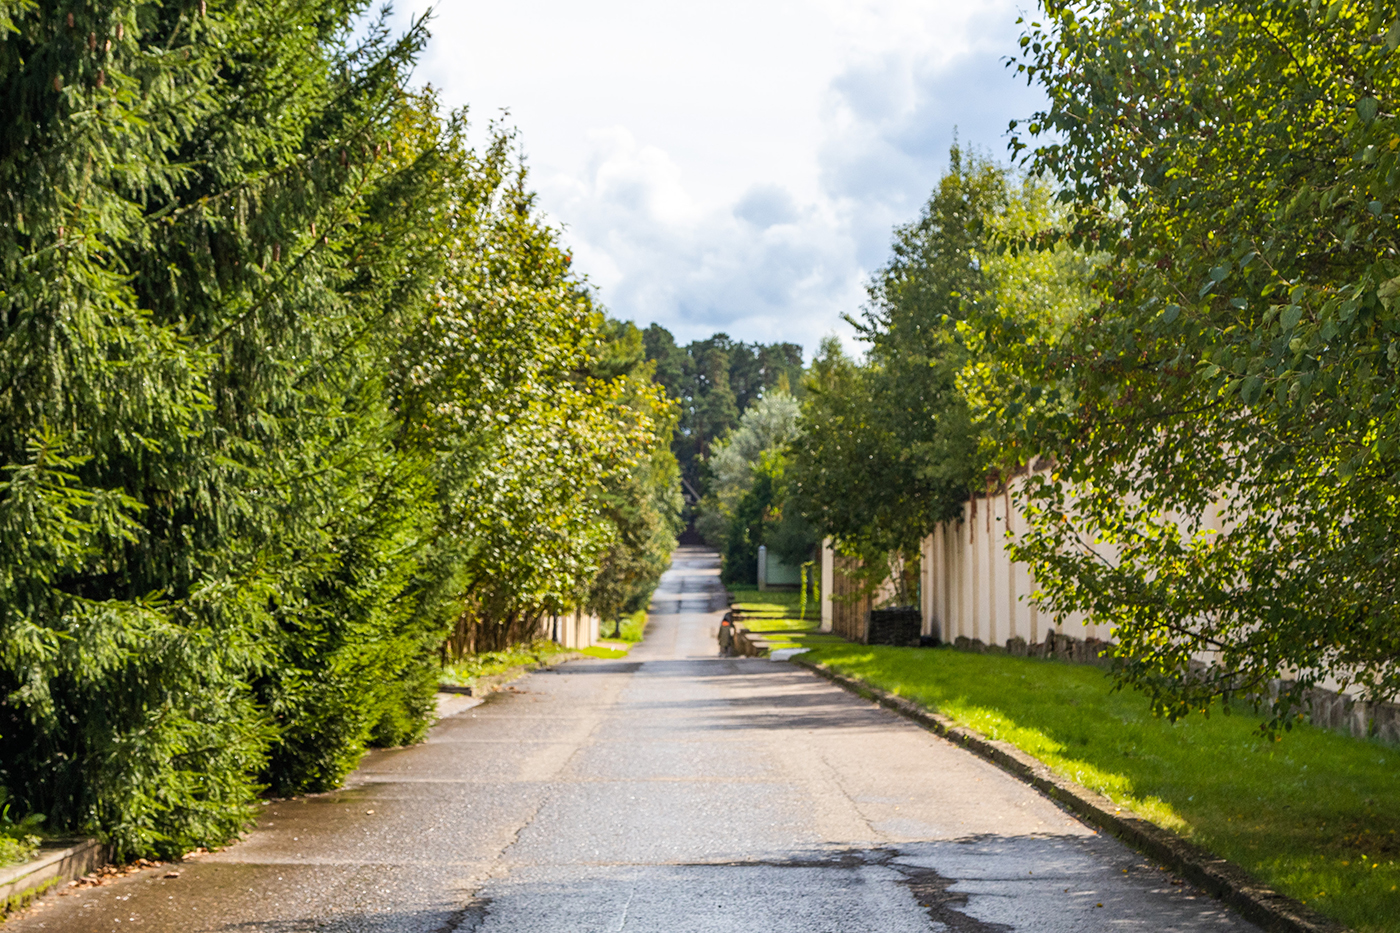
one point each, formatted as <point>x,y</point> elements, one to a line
<point>732,166</point>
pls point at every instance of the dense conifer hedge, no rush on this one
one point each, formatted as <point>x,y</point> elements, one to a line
<point>292,380</point>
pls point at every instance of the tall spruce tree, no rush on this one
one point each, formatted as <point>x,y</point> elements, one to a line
<point>292,379</point>
<point>715,381</point>
<point>197,508</point>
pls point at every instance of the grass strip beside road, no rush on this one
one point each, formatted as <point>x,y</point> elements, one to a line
<point>791,633</point>
<point>517,659</point>
<point>775,614</point>
<point>607,649</point>
<point>750,600</point>
<point>1315,814</point>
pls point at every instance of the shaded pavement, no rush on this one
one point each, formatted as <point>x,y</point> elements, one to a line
<point>672,791</point>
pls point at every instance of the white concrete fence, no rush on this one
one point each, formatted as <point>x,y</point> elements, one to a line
<point>971,588</point>
<point>577,629</point>
<point>969,585</point>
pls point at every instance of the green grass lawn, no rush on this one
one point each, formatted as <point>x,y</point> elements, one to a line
<point>775,614</point>
<point>465,672</point>
<point>751,600</point>
<point>608,649</point>
<point>791,633</point>
<point>1315,814</point>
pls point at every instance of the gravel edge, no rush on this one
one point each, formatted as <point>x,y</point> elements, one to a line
<point>1223,879</point>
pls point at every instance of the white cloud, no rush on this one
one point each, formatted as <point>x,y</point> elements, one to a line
<point>733,166</point>
<point>657,254</point>
<point>767,206</point>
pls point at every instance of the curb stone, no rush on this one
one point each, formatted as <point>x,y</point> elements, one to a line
<point>57,862</point>
<point>1222,879</point>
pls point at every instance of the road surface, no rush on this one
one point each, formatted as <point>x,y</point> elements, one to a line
<point>674,792</point>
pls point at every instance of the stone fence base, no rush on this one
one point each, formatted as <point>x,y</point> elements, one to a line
<point>1329,709</point>
<point>1061,647</point>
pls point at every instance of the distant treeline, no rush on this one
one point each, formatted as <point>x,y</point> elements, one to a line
<point>715,381</point>
<point>293,383</point>
<point>738,402</point>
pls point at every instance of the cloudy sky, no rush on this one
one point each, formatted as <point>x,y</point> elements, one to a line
<point>732,166</point>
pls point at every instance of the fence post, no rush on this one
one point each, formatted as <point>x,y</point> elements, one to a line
<point>827,581</point>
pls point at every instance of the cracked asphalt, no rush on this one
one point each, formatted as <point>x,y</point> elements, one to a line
<point>673,791</point>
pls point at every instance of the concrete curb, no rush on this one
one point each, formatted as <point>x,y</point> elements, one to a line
<point>1224,880</point>
<point>21,885</point>
<point>450,704</point>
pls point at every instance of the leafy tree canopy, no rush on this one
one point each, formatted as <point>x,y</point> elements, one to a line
<point>767,426</point>
<point>1227,417</point>
<point>887,446</point>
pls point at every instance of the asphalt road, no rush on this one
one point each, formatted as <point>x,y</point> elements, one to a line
<point>674,791</point>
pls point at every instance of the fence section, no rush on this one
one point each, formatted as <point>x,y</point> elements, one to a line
<point>971,588</point>
<point>849,611</point>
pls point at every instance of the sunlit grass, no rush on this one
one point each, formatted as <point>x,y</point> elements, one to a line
<point>522,658</point>
<point>616,649</point>
<point>466,672</point>
<point>775,614</point>
<point>751,600</point>
<point>1315,814</point>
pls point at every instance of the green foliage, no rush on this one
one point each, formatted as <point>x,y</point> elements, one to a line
<point>19,839</point>
<point>743,507</point>
<point>753,502</point>
<point>735,403</point>
<point>788,534</point>
<point>1313,815</point>
<point>768,425</point>
<point>643,504</point>
<point>292,379</point>
<point>634,626</point>
<point>888,447</point>
<point>627,628</point>
<point>1237,163</point>
<point>16,850</point>
<point>715,381</point>
<point>745,532</point>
